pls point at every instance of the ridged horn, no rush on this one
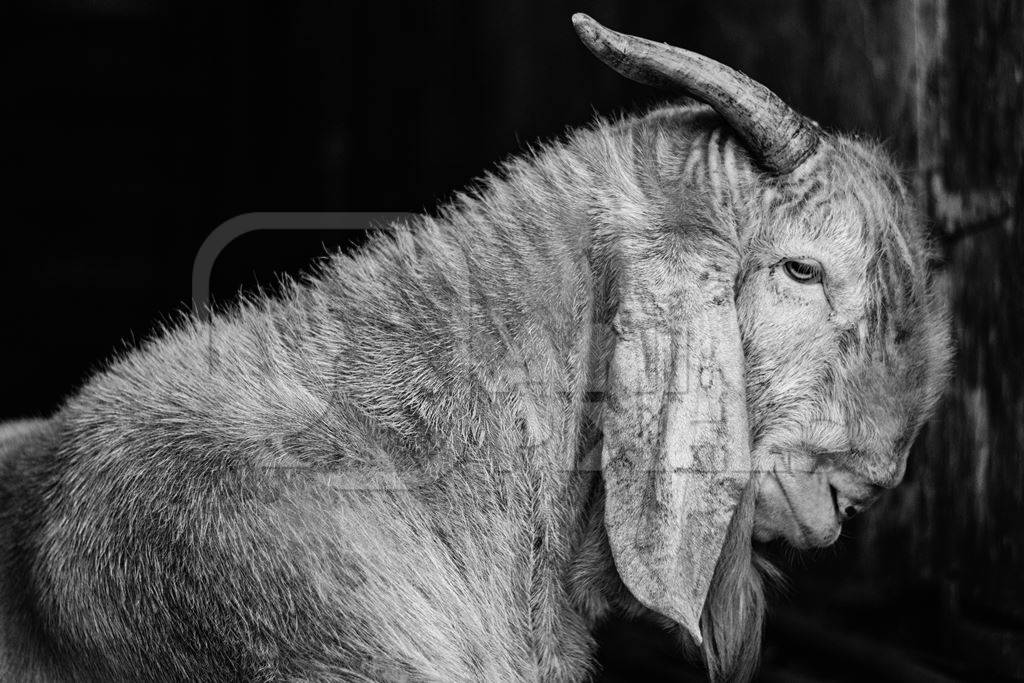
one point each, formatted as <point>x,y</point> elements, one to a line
<point>778,137</point>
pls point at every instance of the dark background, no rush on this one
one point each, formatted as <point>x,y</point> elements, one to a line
<point>131,129</point>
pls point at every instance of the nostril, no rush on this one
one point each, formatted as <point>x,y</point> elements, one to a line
<point>845,509</point>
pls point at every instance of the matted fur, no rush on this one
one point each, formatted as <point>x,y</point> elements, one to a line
<point>384,473</point>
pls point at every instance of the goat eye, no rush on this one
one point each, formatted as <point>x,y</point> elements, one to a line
<point>804,272</point>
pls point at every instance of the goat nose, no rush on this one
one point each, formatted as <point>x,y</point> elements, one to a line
<point>846,508</point>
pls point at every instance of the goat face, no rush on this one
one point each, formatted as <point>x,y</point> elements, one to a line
<point>844,341</point>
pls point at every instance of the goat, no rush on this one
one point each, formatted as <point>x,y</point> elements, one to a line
<point>588,385</point>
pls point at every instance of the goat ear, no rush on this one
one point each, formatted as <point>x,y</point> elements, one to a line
<point>676,453</point>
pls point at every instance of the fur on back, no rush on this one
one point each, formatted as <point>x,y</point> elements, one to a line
<point>375,475</point>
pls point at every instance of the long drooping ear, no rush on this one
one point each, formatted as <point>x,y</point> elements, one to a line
<point>676,452</point>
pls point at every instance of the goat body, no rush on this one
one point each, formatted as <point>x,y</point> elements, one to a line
<point>383,473</point>
<point>588,385</point>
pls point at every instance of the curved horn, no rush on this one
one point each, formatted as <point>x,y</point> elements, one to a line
<point>779,138</point>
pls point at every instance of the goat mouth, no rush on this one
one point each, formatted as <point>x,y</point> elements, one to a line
<point>812,517</point>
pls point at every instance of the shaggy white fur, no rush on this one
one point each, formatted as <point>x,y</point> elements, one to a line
<point>388,472</point>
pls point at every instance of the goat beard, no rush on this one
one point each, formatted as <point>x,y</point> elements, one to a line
<point>732,621</point>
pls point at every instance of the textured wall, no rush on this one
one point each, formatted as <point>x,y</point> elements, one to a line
<point>954,529</point>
